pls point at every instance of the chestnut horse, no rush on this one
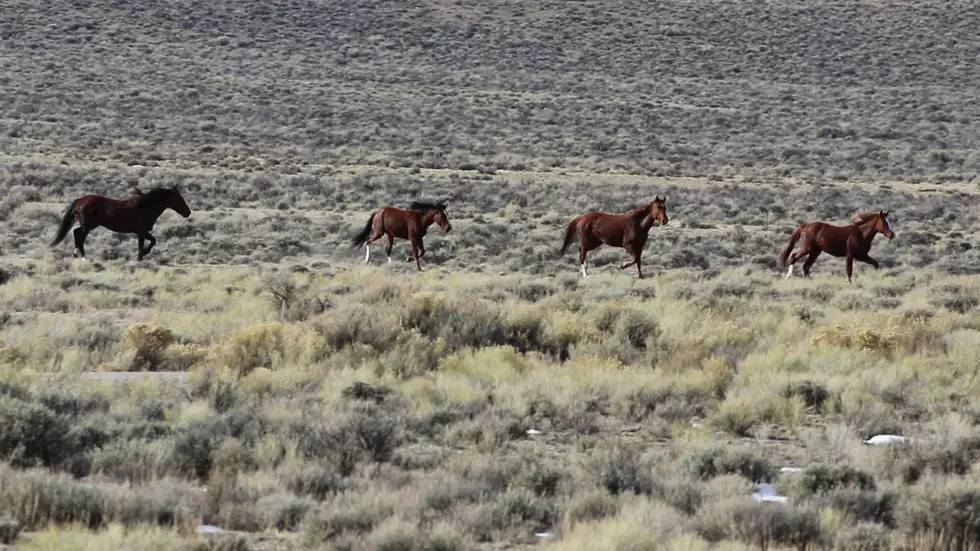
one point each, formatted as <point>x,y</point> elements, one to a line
<point>628,230</point>
<point>852,241</point>
<point>410,224</point>
<point>136,215</point>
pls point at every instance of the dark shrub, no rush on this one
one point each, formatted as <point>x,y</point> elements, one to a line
<point>717,460</point>
<point>31,433</point>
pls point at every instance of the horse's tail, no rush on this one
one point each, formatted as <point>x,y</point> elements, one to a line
<point>362,237</point>
<point>66,222</point>
<point>569,236</point>
<point>784,256</point>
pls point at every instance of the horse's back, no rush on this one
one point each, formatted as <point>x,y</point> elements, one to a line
<point>397,221</point>
<point>831,238</point>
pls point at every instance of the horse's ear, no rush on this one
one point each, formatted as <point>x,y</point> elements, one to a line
<point>883,213</point>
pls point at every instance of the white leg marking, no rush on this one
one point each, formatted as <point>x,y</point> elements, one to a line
<point>76,252</point>
<point>789,272</point>
<point>585,272</point>
<point>389,260</point>
<point>367,253</point>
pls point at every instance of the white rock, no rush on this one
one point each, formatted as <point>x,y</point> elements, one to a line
<point>210,529</point>
<point>887,439</point>
<point>543,535</point>
<point>791,469</point>
<point>767,492</point>
<point>534,432</point>
<point>776,499</point>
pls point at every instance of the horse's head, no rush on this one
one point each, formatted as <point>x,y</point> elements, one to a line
<point>882,225</point>
<point>656,211</point>
<point>442,218</point>
<point>176,202</point>
<point>877,220</point>
<point>433,212</point>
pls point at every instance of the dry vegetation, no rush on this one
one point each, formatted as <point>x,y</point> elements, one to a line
<point>340,406</point>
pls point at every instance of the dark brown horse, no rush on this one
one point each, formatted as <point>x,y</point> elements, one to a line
<point>410,224</point>
<point>852,241</point>
<point>136,215</point>
<point>628,230</point>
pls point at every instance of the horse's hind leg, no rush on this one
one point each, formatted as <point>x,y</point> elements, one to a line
<point>80,234</point>
<point>391,242</point>
<point>376,234</point>
<point>794,259</point>
<point>809,263</point>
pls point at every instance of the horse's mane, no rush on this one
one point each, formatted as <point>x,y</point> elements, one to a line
<point>644,206</point>
<point>863,217</point>
<point>421,205</point>
<point>152,197</point>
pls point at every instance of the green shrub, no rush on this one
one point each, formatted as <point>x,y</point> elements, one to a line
<point>945,512</point>
<point>37,498</point>
<point>315,481</point>
<point>814,394</point>
<point>716,460</point>
<point>865,536</point>
<point>622,470</point>
<point>520,508</point>
<point>758,524</point>
<point>590,505</point>
<point>816,479</point>
<point>344,514</point>
<point>282,511</point>
<point>31,433</point>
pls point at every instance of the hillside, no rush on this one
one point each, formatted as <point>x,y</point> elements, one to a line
<point>814,90</point>
<point>496,401</point>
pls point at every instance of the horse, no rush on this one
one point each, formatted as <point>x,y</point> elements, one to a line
<point>852,241</point>
<point>628,230</point>
<point>136,215</point>
<point>410,224</point>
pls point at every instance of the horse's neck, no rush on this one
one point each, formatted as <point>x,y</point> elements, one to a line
<point>154,210</point>
<point>867,230</point>
<point>427,220</point>
<point>643,218</point>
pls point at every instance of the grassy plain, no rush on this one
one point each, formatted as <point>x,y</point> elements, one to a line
<point>341,406</point>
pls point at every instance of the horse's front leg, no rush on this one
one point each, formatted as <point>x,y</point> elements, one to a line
<point>417,251</point>
<point>421,253</point>
<point>632,250</point>
<point>849,264</point>
<point>146,250</point>
<point>866,258</point>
